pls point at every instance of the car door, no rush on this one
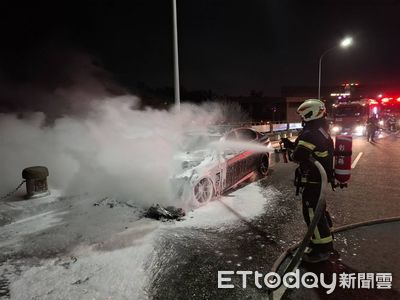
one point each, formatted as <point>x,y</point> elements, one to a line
<point>249,157</point>
<point>241,164</point>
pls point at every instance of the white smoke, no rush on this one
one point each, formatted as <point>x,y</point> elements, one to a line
<point>114,150</point>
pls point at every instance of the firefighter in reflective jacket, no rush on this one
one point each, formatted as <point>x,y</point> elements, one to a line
<point>313,140</point>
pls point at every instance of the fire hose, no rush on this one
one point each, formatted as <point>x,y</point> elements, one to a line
<point>301,247</point>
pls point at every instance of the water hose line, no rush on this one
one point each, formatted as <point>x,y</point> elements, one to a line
<point>291,249</point>
<point>301,247</point>
<point>319,210</point>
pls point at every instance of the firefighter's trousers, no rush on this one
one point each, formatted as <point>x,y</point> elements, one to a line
<point>371,134</point>
<point>322,240</point>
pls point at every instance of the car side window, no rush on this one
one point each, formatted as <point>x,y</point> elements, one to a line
<point>231,136</point>
<point>246,135</point>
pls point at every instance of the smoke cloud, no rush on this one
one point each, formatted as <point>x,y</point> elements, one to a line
<point>57,80</point>
<point>115,150</point>
<point>62,110</point>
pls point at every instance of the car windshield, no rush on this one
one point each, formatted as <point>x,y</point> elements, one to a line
<point>198,141</point>
<point>349,111</point>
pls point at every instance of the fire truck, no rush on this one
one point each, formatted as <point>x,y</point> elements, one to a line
<point>390,113</point>
<point>350,116</point>
<point>390,106</point>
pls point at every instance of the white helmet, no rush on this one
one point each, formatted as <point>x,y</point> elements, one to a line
<point>312,109</point>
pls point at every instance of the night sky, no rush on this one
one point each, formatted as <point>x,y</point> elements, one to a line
<point>228,46</point>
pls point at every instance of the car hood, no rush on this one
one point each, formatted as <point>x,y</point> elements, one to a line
<point>187,162</point>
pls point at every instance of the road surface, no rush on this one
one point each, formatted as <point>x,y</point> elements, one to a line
<point>373,193</point>
<point>182,261</point>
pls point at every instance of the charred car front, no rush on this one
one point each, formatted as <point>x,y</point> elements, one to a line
<point>219,164</point>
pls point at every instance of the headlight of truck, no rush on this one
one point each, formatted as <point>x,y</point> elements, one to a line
<point>359,129</point>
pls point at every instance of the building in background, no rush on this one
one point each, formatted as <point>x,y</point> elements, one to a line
<point>295,95</point>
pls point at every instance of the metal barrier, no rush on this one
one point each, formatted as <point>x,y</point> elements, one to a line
<point>264,127</point>
<point>276,131</point>
<point>272,127</point>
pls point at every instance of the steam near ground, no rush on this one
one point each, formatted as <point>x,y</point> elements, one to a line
<point>114,150</point>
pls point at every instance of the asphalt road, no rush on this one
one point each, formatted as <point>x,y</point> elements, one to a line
<point>187,267</point>
<point>186,260</point>
<point>374,190</point>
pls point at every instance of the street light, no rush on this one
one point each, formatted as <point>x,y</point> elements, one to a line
<point>345,43</point>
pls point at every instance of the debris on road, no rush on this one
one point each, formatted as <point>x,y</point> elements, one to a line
<point>168,213</point>
<point>112,202</point>
<point>79,281</point>
<point>66,263</point>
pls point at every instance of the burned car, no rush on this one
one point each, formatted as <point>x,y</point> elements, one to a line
<point>214,164</point>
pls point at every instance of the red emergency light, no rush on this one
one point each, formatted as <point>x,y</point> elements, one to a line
<point>390,100</point>
<point>373,101</point>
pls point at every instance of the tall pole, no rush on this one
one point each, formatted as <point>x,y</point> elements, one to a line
<point>320,69</point>
<point>176,58</point>
<point>319,78</point>
<point>346,42</point>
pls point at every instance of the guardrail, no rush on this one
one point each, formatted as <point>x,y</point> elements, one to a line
<point>275,130</point>
<point>276,127</point>
<point>278,130</point>
<point>267,127</point>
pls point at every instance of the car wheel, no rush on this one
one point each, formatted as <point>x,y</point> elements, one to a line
<point>264,165</point>
<point>203,191</point>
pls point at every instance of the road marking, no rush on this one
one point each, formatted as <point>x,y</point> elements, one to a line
<point>353,165</point>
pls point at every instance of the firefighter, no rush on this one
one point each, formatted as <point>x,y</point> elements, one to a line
<point>372,126</point>
<point>314,140</point>
<point>391,121</point>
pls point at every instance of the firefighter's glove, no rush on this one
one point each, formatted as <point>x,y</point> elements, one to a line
<point>288,144</point>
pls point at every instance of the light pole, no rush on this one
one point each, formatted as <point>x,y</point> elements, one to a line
<point>345,43</point>
<point>176,57</point>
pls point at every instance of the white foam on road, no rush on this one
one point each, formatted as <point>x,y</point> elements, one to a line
<point>243,204</point>
<point>94,273</point>
<point>13,233</point>
<point>117,266</point>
